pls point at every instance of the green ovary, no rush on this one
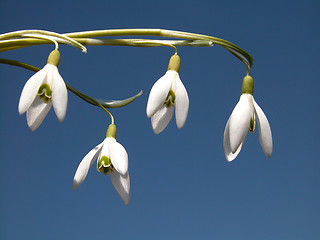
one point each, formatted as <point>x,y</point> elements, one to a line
<point>170,100</point>
<point>44,93</point>
<point>104,165</point>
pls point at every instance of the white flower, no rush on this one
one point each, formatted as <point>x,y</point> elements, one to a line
<point>112,159</point>
<point>242,120</point>
<point>166,94</point>
<point>44,89</point>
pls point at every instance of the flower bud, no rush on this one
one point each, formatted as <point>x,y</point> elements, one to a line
<point>174,63</point>
<point>247,85</point>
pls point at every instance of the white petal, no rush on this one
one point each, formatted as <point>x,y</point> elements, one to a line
<point>159,92</point>
<point>59,95</point>
<point>226,144</point>
<point>122,184</point>
<point>240,121</point>
<point>30,90</point>
<point>105,150</point>
<point>118,156</point>
<point>181,103</point>
<point>84,166</point>
<point>37,112</point>
<point>160,119</point>
<point>265,135</point>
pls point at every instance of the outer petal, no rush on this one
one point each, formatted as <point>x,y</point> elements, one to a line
<point>122,184</point>
<point>85,164</point>
<point>265,135</point>
<point>105,150</point>
<point>37,112</point>
<point>226,144</point>
<point>160,119</point>
<point>240,121</point>
<point>159,92</point>
<point>118,156</point>
<point>30,90</point>
<point>181,104</point>
<point>59,95</point>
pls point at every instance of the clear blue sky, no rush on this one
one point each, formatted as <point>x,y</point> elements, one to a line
<point>182,187</point>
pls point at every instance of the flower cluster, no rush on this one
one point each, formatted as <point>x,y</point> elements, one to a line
<point>46,88</point>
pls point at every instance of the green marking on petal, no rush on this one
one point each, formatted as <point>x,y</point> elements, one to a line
<point>252,124</point>
<point>170,100</point>
<point>44,93</point>
<point>104,165</point>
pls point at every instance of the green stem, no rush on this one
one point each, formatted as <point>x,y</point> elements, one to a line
<point>19,64</point>
<point>73,90</point>
<point>70,88</point>
<point>83,37</point>
<point>43,34</point>
<point>165,33</point>
<point>7,45</point>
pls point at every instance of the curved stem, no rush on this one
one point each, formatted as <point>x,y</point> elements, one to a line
<point>234,49</point>
<point>165,33</point>
<point>58,37</point>
<point>45,38</point>
<point>7,45</point>
<point>159,43</point>
<point>73,90</point>
<point>109,113</point>
<point>19,64</point>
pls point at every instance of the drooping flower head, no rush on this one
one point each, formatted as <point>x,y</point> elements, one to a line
<point>44,89</point>
<point>242,120</point>
<point>167,94</point>
<point>112,159</point>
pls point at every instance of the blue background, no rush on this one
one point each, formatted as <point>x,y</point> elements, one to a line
<point>182,187</point>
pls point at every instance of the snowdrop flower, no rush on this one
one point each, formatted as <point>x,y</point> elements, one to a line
<point>242,119</point>
<point>112,159</point>
<point>166,94</point>
<point>44,89</point>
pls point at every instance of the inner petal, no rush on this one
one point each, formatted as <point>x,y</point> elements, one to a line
<point>104,165</point>
<point>170,100</point>
<point>44,93</point>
